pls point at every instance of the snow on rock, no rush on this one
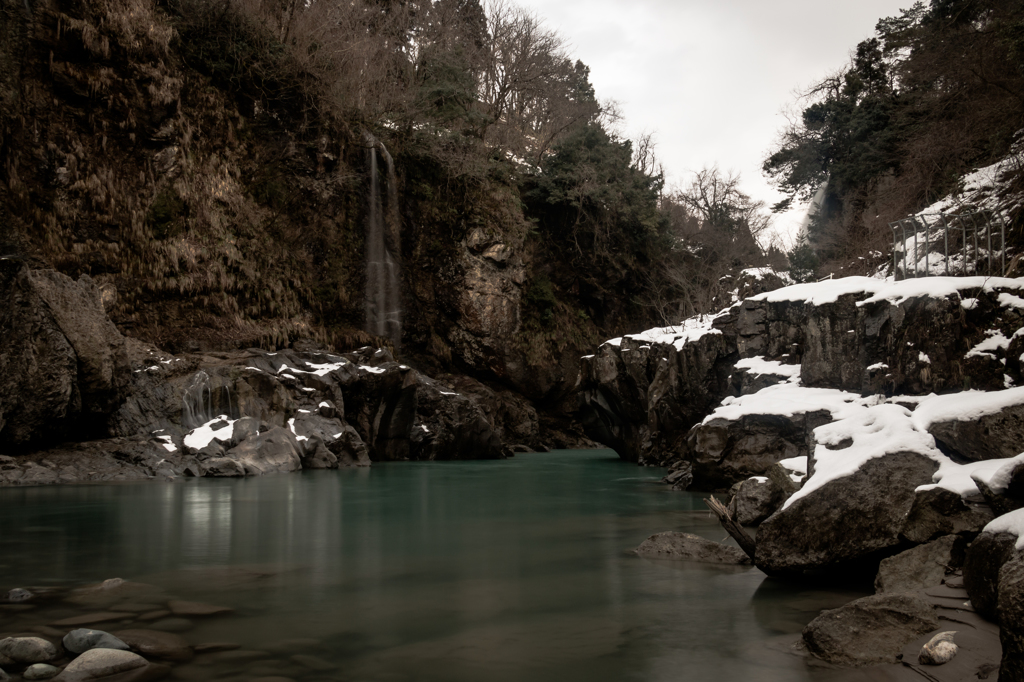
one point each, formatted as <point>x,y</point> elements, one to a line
<point>959,478</point>
<point>797,465</point>
<point>758,366</point>
<point>788,400</point>
<point>861,434</point>
<point>995,341</point>
<point>679,335</point>
<point>965,406</point>
<point>1012,523</point>
<point>820,293</point>
<point>1011,301</point>
<point>201,436</point>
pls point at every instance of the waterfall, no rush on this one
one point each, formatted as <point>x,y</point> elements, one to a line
<point>813,209</point>
<point>197,402</point>
<point>383,239</point>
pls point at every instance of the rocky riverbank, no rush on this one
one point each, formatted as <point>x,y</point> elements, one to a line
<point>81,402</point>
<point>871,430</point>
<point>128,631</point>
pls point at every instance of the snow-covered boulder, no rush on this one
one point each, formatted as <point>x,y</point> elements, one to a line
<point>976,425</point>
<point>845,521</point>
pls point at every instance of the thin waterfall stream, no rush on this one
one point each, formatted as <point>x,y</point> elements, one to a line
<point>383,302</point>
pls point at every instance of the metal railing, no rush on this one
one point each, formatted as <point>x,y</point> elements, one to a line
<point>960,244</point>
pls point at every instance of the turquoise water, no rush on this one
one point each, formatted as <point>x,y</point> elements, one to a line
<point>510,570</point>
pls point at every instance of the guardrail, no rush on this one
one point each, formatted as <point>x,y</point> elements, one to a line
<point>958,244</point>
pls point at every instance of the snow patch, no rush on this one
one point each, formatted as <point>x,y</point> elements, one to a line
<point>995,341</point>
<point>758,366</point>
<point>201,436</point>
<point>1012,523</point>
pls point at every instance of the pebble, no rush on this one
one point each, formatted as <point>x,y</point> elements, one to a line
<point>40,671</point>
<point>28,649</point>
<point>82,640</point>
<point>19,595</point>
<point>939,649</point>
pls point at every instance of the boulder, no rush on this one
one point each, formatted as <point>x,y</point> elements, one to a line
<point>997,435</point>
<point>60,342</point>
<point>725,451</point>
<point>1010,610</point>
<point>983,561</point>
<point>349,448</point>
<point>273,451</point>
<point>920,567</point>
<point>849,520</point>
<point>81,640</point>
<point>754,500</point>
<point>936,512</point>
<point>99,663</point>
<point>222,467</point>
<point>688,547</point>
<point>28,650</point>
<point>870,630</point>
<point>451,426</point>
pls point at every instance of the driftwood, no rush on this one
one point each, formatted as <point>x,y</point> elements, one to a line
<point>734,529</point>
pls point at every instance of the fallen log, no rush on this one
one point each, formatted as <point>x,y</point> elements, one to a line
<point>734,529</point>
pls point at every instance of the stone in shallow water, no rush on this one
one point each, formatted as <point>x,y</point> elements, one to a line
<point>870,630</point>
<point>688,547</point>
<point>81,640</point>
<point>156,644</point>
<point>194,608</point>
<point>28,650</point>
<point>97,663</point>
<point>92,619</point>
<point>40,671</point>
<point>19,594</point>
<point>172,625</point>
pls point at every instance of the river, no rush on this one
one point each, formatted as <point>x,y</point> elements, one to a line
<point>436,572</point>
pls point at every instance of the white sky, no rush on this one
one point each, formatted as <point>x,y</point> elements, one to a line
<point>711,78</point>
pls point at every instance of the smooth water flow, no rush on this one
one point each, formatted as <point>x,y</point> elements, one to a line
<point>383,302</point>
<point>447,572</point>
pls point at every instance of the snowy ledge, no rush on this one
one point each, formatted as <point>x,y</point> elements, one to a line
<point>1012,523</point>
<point>818,293</point>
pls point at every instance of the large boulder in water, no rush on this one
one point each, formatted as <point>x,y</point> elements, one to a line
<point>64,363</point>
<point>848,520</point>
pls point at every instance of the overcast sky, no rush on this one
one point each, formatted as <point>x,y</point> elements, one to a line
<point>711,78</point>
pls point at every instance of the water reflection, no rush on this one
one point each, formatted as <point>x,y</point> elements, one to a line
<point>431,571</point>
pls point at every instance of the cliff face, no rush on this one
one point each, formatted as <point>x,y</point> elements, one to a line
<point>214,216</point>
<point>644,394</point>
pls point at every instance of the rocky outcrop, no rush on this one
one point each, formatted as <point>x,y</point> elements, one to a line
<point>236,413</point>
<point>641,394</point>
<point>64,365</point>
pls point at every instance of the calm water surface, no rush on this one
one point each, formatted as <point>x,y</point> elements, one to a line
<point>512,570</point>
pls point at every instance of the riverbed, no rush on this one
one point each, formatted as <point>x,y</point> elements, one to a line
<point>435,571</point>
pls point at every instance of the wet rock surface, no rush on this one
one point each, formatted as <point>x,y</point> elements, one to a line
<point>920,567</point>
<point>870,630</point>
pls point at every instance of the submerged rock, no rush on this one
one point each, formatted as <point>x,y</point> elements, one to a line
<point>688,547</point>
<point>870,630</point>
<point>100,663</point>
<point>81,640</point>
<point>28,650</point>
